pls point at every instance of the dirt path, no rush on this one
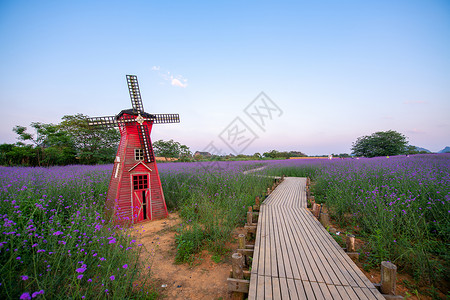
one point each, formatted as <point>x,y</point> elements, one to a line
<point>204,280</point>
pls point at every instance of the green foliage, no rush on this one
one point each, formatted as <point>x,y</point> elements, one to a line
<point>97,146</point>
<point>189,241</point>
<point>277,154</point>
<point>172,149</point>
<point>69,142</point>
<point>383,143</point>
<point>211,204</point>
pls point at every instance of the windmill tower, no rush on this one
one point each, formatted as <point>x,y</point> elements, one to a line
<point>135,193</point>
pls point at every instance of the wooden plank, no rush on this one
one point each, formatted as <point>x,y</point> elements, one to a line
<point>369,294</point>
<point>255,262</point>
<point>343,293</point>
<point>238,285</point>
<point>284,288</point>
<point>292,289</point>
<point>351,293</point>
<point>276,291</point>
<point>260,288</point>
<point>252,287</point>
<point>330,259</point>
<point>313,252</point>
<point>278,242</point>
<point>308,290</point>
<point>268,287</point>
<point>266,233</point>
<point>335,293</point>
<point>317,291</point>
<point>300,289</point>
<point>273,248</point>
<point>360,293</point>
<point>325,292</point>
<point>284,245</point>
<point>293,270</point>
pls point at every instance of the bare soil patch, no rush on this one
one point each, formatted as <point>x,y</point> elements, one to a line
<point>204,279</point>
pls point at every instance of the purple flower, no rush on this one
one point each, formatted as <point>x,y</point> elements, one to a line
<point>24,277</point>
<point>35,294</point>
<point>112,277</point>
<point>81,270</point>
<point>57,232</point>
<point>80,276</point>
<point>125,266</point>
<point>25,295</point>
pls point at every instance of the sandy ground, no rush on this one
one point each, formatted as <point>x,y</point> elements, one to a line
<point>205,279</point>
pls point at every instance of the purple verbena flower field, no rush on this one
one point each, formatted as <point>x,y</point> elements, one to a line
<point>55,241</point>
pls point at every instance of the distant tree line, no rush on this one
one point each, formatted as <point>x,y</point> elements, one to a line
<point>73,142</point>
<point>285,154</point>
<point>69,142</point>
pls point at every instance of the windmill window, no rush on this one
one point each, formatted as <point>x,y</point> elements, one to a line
<point>140,182</point>
<point>138,154</point>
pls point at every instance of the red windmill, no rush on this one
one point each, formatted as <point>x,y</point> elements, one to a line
<point>135,193</point>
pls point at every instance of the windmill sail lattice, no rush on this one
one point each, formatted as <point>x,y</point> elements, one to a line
<point>135,93</point>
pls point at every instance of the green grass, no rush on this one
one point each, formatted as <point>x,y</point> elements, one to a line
<point>211,204</point>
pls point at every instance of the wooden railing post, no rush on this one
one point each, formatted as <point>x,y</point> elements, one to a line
<point>241,240</point>
<point>324,220</point>
<point>388,278</point>
<point>316,210</point>
<point>350,243</point>
<point>238,273</point>
<point>249,216</point>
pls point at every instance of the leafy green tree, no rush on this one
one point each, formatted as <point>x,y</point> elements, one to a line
<point>52,146</point>
<point>381,143</point>
<point>92,146</point>
<point>185,153</point>
<point>172,149</point>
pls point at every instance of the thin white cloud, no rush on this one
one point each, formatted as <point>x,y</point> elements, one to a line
<point>175,80</point>
<point>414,102</point>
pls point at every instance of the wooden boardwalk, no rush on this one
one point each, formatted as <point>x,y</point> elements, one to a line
<point>296,258</point>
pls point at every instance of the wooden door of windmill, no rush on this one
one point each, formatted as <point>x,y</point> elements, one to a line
<point>142,209</point>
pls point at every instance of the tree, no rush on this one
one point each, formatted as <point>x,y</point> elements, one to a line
<point>92,146</point>
<point>383,143</point>
<point>172,149</point>
<point>69,142</point>
<point>52,145</point>
<point>185,153</point>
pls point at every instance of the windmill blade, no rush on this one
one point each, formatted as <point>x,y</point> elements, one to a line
<point>146,144</point>
<point>102,122</point>
<point>165,118</point>
<point>135,94</point>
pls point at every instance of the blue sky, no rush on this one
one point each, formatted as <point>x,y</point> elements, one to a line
<point>335,70</point>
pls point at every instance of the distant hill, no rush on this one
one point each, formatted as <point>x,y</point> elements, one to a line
<point>445,150</point>
<point>422,149</point>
